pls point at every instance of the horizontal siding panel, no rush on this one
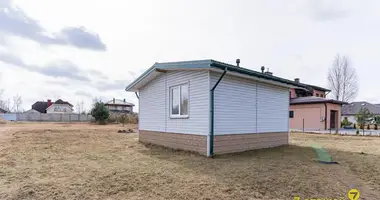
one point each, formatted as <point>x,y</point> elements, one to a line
<point>273,108</point>
<point>198,120</point>
<point>234,105</point>
<point>152,105</point>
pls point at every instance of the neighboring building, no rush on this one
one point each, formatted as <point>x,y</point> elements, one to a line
<point>197,106</point>
<point>118,106</point>
<point>314,113</point>
<point>310,109</point>
<point>350,110</point>
<point>41,106</point>
<point>32,111</point>
<point>306,90</point>
<point>3,110</point>
<point>58,106</point>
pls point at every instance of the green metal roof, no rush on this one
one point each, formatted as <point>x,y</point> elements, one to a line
<point>210,64</point>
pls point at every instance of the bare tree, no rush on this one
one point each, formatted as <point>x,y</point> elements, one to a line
<point>2,102</point>
<point>80,107</point>
<point>342,79</point>
<point>17,103</point>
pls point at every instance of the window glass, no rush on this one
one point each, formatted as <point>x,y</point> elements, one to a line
<point>291,114</point>
<point>184,99</point>
<point>175,101</point>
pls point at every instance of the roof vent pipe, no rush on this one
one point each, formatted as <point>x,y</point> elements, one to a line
<point>262,69</point>
<point>238,62</point>
<point>297,80</point>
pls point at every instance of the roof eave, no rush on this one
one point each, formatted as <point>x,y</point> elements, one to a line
<point>315,102</point>
<point>248,72</point>
<point>163,67</point>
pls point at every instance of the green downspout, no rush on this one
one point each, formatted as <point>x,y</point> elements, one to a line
<point>325,116</point>
<point>212,113</point>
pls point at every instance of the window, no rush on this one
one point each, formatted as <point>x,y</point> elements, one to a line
<point>291,114</point>
<point>317,95</point>
<point>179,101</point>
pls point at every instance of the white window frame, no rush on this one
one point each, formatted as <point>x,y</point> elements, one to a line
<point>179,116</point>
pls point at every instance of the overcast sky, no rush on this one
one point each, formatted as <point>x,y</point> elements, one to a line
<point>78,50</point>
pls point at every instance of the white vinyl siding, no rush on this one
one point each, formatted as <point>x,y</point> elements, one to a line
<point>234,105</point>
<point>152,105</point>
<point>272,108</point>
<point>247,106</point>
<point>155,104</point>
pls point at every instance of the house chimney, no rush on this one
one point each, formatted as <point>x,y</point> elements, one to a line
<point>124,100</point>
<point>297,80</point>
<point>49,102</point>
<point>238,62</point>
<point>262,69</point>
<point>113,100</point>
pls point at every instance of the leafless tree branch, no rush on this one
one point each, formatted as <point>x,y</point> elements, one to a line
<point>342,79</point>
<point>17,103</point>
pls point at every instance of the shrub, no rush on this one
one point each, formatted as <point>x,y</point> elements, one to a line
<point>354,125</point>
<point>100,112</point>
<point>375,127</point>
<point>368,127</point>
<point>357,132</point>
<point>345,122</point>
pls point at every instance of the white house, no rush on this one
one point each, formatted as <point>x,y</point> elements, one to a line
<point>60,106</point>
<point>212,107</point>
<point>349,111</point>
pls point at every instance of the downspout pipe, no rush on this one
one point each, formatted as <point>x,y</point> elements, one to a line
<point>212,113</point>
<point>325,116</point>
<point>137,95</point>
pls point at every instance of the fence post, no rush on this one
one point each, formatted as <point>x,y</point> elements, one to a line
<point>303,125</point>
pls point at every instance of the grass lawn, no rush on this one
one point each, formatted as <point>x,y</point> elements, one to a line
<point>81,161</point>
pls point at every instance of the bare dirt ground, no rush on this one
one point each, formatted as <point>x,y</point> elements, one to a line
<point>81,161</point>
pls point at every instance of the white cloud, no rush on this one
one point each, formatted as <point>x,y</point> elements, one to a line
<point>297,39</point>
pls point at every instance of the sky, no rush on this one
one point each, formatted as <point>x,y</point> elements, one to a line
<point>80,50</point>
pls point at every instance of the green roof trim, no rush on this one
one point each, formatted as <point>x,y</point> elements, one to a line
<point>209,64</point>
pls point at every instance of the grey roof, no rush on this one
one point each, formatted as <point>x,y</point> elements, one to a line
<point>119,102</point>
<point>353,108</point>
<point>60,101</point>
<point>313,99</point>
<point>3,110</point>
<point>210,64</point>
<point>314,87</point>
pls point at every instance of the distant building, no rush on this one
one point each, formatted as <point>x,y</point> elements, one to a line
<point>310,109</point>
<point>119,106</point>
<point>32,111</point>
<point>2,110</point>
<point>58,106</point>
<point>350,110</point>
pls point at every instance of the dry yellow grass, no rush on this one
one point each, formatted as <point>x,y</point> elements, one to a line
<point>79,161</point>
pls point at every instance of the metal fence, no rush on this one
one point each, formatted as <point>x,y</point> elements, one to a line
<point>46,117</point>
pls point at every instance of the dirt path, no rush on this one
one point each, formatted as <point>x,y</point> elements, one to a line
<point>4,136</point>
<point>342,175</point>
